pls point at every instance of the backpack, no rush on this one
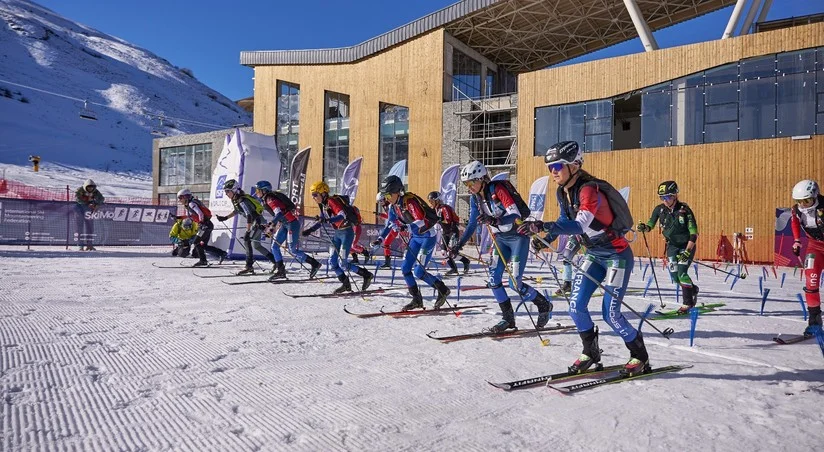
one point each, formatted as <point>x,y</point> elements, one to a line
<point>348,211</point>
<point>432,217</point>
<point>622,217</point>
<point>285,200</point>
<point>207,214</point>
<point>451,214</point>
<point>258,206</point>
<point>523,208</point>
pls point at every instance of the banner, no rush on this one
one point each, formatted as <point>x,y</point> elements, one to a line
<point>484,242</point>
<point>34,222</point>
<point>449,188</point>
<point>297,178</point>
<point>537,198</point>
<point>349,180</point>
<point>784,239</point>
<point>399,169</point>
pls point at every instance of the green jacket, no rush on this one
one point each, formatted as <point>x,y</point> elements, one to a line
<point>86,199</point>
<point>678,225</point>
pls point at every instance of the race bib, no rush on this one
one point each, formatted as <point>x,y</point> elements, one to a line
<point>615,273</point>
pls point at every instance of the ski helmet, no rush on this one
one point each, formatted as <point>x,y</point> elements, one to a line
<point>264,186</point>
<point>473,170</point>
<point>319,187</point>
<point>89,185</point>
<point>567,152</point>
<point>392,184</point>
<point>805,189</point>
<point>187,223</point>
<point>185,192</point>
<point>231,185</point>
<point>668,187</point>
<point>435,195</point>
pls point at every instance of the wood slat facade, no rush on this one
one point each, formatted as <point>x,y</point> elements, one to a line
<point>410,75</point>
<point>730,186</point>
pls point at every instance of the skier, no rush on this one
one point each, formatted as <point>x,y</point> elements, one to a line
<point>808,214</point>
<point>251,209</point>
<point>285,219</point>
<point>408,211</point>
<point>591,210</point>
<point>680,232</point>
<point>449,221</point>
<point>88,198</point>
<point>498,205</point>
<point>181,235</point>
<point>387,241</point>
<point>336,211</point>
<point>357,248</point>
<point>201,215</point>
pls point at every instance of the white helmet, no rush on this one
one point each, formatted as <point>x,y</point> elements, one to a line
<point>184,192</point>
<point>473,170</point>
<point>805,189</point>
<point>89,183</point>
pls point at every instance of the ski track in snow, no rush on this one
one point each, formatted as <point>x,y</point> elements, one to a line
<point>103,352</point>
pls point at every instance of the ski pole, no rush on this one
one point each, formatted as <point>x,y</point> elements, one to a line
<point>667,331</point>
<point>244,248</point>
<point>286,248</point>
<point>448,304</point>
<point>652,266</point>
<point>544,342</point>
<point>340,255</point>
<point>742,276</point>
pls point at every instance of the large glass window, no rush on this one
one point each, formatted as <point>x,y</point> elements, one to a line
<point>819,121</point>
<point>688,110</point>
<point>546,129</point>
<point>466,76</point>
<point>655,116</point>
<point>186,165</point>
<point>598,126</point>
<point>336,141</point>
<point>721,104</point>
<point>288,127</point>
<point>796,93</point>
<point>756,98</point>
<point>394,141</point>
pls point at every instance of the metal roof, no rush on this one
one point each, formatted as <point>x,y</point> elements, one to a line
<point>520,35</point>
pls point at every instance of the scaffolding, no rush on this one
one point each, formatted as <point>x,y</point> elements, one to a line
<point>488,131</point>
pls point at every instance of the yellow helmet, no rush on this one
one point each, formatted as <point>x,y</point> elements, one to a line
<point>319,187</point>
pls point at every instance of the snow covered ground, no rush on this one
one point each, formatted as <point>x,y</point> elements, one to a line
<point>103,351</point>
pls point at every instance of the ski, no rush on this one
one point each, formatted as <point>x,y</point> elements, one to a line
<point>355,293</point>
<point>277,281</point>
<point>616,378</point>
<point>230,275</point>
<point>411,313</point>
<point>791,339</point>
<point>703,309</point>
<point>565,376</point>
<point>502,335</point>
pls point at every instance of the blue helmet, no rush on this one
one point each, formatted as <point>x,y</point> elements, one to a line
<point>264,185</point>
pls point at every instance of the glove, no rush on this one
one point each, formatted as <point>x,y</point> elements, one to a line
<point>174,240</point>
<point>454,251</point>
<point>306,233</point>
<point>399,227</point>
<point>537,244</point>
<point>642,227</point>
<point>321,219</point>
<point>488,219</point>
<point>797,248</point>
<point>221,218</point>
<point>530,227</point>
<point>683,256</point>
<point>376,242</point>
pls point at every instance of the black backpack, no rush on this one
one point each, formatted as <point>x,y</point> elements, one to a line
<point>348,210</point>
<point>622,217</point>
<point>287,201</point>
<point>432,217</point>
<point>523,208</point>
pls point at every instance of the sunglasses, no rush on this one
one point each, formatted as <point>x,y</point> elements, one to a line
<point>471,182</point>
<point>805,202</point>
<point>666,197</point>
<point>315,195</point>
<point>555,167</point>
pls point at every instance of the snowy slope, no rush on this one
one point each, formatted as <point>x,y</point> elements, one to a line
<point>106,352</point>
<point>41,49</point>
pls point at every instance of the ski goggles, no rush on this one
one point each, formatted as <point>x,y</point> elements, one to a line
<point>470,182</point>
<point>667,197</point>
<point>806,202</point>
<point>555,167</point>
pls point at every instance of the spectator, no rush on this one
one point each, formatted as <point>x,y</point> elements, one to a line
<point>182,235</point>
<point>88,199</point>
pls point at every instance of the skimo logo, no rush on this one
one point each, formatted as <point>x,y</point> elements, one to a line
<point>100,215</point>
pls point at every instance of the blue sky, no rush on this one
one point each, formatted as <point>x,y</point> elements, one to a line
<point>209,37</point>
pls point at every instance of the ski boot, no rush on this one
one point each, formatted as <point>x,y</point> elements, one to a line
<point>465,263</point>
<point>688,295</point>
<point>278,271</point>
<point>544,309</point>
<point>443,292</point>
<point>417,299</point>
<point>591,354</point>
<point>453,269</point>
<point>314,266</point>
<point>201,263</point>
<point>367,277</point>
<point>222,257</point>
<point>565,289</point>
<point>354,259</point>
<point>386,263</point>
<point>90,248</point>
<point>813,322</point>
<point>366,257</point>
<point>246,271</point>
<point>345,286</point>
<point>639,359</point>
<point>508,320</point>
